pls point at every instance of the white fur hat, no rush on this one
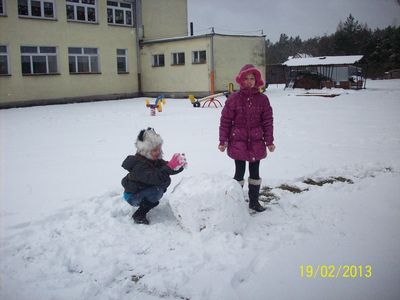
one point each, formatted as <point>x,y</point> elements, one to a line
<point>146,141</point>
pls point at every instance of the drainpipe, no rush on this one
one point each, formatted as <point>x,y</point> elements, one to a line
<point>212,71</point>
<point>191,28</point>
<point>139,33</point>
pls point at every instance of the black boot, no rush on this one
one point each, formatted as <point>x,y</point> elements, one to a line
<point>254,191</point>
<point>140,215</point>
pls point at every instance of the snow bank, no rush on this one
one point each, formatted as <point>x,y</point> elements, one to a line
<point>212,202</point>
<point>66,237</point>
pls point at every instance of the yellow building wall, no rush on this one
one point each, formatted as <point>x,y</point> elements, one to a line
<point>231,53</point>
<point>164,18</point>
<point>161,19</point>
<point>16,31</point>
<point>188,78</point>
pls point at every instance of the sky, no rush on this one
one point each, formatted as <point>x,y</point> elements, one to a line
<point>304,18</point>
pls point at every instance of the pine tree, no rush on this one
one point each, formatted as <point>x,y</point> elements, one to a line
<point>381,47</point>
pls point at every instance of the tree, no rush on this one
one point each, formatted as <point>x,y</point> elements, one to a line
<point>348,37</point>
<point>381,47</point>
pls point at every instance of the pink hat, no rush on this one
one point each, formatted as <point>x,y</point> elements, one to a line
<point>246,70</point>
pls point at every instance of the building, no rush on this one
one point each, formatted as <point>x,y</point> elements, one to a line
<point>324,71</point>
<point>84,50</point>
<point>392,74</point>
<point>275,74</point>
<point>199,65</point>
<point>77,50</point>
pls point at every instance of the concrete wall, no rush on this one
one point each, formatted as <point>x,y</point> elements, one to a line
<point>161,19</point>
<point>232,53</point>
<point>227,53</point>
<point>164,19</point>
<point>178,80</point>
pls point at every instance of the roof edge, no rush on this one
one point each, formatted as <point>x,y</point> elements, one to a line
<point>192,37</point>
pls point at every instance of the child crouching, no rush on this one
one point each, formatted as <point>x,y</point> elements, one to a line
<point>149,175</point>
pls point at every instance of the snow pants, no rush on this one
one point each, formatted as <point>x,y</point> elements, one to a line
<point>152,194</point>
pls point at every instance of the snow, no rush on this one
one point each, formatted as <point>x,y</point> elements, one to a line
<point>66,233</point>
<point>209,202</point>
<point>322,60</point>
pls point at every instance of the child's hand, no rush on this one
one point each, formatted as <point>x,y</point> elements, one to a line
<point>177,161</point>
<point>221,148</point>
<point>271,148</point>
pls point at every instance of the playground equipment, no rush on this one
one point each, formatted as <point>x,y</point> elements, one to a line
<point>157,105</point>
<point>211,98</point>
<point>263,88</point>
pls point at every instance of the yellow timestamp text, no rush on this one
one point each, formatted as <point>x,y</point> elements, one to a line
<point>335,271</point>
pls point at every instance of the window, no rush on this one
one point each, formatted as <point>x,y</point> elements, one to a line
<point>4,60</point>
<point>199,57</point>
<point>83,60</point>
<point>43,9</point>
<point>119,13</point>
<point>158,60</point>
<point>38,60</point>
<point>178,58</point>
<point>2,8</point>
<point>122,61</point>
<point>81,10</point>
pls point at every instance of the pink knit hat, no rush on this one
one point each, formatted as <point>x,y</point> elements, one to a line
<point>246,70</point>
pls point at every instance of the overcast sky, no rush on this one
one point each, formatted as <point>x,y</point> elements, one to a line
<point>306,18</point>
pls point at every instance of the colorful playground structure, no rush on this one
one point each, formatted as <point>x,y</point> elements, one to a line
<point>211,99</point>
<point>157,105</point>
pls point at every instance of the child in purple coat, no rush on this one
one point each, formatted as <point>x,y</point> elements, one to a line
<point>246,130</point>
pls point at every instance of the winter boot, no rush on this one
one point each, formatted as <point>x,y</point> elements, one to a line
<point>254,191</point>
<point>140,215</point>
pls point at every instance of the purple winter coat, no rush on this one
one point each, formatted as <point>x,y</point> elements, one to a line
<point>246,125</point>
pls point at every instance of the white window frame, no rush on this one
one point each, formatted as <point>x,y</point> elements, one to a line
<point>119,7</point>
<point>39,53</point>
<point>81,3</point>
<point>177,59</point>
<point>79,54</point>
<point>42,15</point>
<point>5,54</point>
<point>156,61</point>
<point>196,57</point>
<point>3,5</point>
<point>125,57</point>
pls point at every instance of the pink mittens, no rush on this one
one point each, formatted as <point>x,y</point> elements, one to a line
<point>177,161</point>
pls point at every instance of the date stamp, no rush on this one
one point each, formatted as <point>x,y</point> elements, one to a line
<point>335,271</point>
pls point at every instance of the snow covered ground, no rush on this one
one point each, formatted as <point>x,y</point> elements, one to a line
<point>66,233</point>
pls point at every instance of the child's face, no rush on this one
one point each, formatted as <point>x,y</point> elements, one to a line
<point>155,153</point>
<point>249,80</point>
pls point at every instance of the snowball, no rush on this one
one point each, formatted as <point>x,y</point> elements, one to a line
<point>212,202</point>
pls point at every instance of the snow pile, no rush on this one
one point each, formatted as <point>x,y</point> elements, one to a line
<point>212,202</point>
<point>335,175</point>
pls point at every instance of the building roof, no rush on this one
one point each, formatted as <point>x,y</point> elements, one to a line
<point>300,55</point>
<point>323,60</point>
<point>191,37</point>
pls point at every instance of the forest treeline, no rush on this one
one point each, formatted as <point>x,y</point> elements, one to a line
<point>380,47</point>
